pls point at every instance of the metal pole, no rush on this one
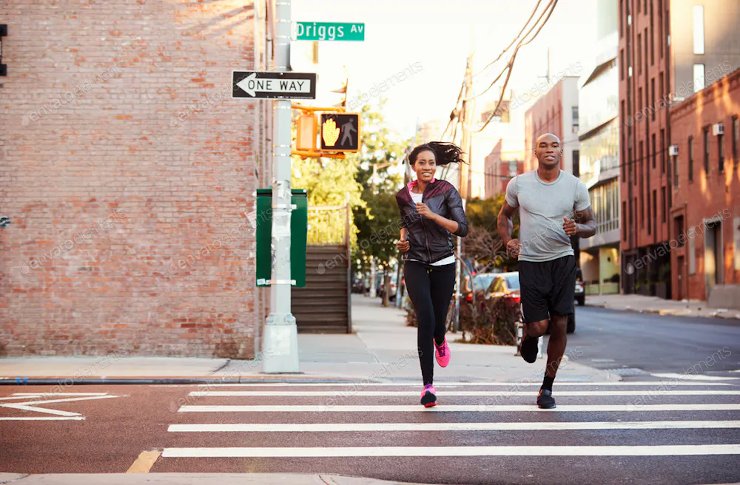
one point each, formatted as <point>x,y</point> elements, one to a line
<point>280,348</point>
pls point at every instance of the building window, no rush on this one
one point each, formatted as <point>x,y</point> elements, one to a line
<point>721,153</point>
<point>698,77</point>
<point>649,218</point>
<point>735,138</point>
<point>630,163</point>
<point>662,92</point>
<point>645,36</point>
<point>639,53</point>
<point>574,115</point>
<point>653,149</point>
<point>675,171</point>
<point>690,151</point>
<point>662,150</point>
<point>660,28</point>
<point>678,224</point>
<point>698,29</point>
<point>655,212</point>
<point>640,106</point>
<point>621,18</point>
<point>625,215</point>
<point>621,65</point>
<point>652,99</point>
<point>663,205</point>
<point>652,36</point>
<point>706,150</point>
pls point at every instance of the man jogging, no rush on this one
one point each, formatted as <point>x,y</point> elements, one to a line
<point>553,206</point>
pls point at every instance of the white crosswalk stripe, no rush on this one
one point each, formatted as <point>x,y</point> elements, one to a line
<point>646,405</point>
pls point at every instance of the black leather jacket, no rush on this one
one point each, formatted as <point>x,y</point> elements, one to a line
<point>430,242</point>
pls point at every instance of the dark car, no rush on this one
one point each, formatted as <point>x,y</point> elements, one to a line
<point>580,288</point>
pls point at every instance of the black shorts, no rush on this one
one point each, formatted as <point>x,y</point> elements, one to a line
<point>547,288</point>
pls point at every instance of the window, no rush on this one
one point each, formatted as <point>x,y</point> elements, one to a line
<point>652,101</point>
<point>660,28</point>
<point>652,36</point>
<point>639,53</point>
<point>706,150</point>
<point>655,212</point>
<point>649,217</point>
<point>640,106</point>
<point>645,37</point>
<point>621,65</point>
<point>663,204</point>
<point>574,115</point>
<point>654,150</point>
<point>735,138</point>
<point>678,224</point>
<point>630,164</point>
<point>621,18</point>
<point>720,153</point>
<point>690,151</point>
<point>624,217</point>
<point>662,150</point>
<point>698,29</point>
<point>698,77</point>
<point>675,171</point>
<point>662,92</point>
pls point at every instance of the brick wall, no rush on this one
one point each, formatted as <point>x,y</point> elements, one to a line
<point>705,196</point>
<point>127,170</point>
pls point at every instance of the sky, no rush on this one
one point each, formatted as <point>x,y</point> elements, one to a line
<point>430,40</point>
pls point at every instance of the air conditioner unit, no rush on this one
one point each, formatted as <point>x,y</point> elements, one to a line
<point>718,129</point>
<point>673,150</point>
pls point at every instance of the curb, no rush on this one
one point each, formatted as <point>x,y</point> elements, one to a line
<point>69,381</point>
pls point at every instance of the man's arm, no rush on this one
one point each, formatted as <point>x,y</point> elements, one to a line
<point>505,225</point>
<point>582,225</point>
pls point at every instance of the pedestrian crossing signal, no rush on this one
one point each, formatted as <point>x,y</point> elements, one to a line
<point>340,132</point>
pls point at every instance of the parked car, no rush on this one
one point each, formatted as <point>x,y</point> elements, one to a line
<point>481,282</point>
<point>506,286</point>
<point>580,288</point>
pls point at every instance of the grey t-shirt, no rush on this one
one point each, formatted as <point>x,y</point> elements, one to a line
<point>542,206</point>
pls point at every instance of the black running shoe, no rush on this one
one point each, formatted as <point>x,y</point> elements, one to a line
<point>545,399</point>
<point>529,349</point>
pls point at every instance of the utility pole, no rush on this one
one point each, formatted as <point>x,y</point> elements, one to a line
<point>464,171</point>
<point>280,345</point>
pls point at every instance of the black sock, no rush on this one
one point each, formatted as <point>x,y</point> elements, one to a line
<point>547,383</point>
<point>439,342</point>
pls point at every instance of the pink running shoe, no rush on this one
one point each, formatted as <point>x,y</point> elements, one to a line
<point>429,396</point>
<point>442,353</point>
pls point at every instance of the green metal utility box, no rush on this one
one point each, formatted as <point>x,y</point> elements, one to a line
<point>298,230</point>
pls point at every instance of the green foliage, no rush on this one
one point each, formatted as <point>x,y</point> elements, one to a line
<point>483,245</point>
<point>379,173</point>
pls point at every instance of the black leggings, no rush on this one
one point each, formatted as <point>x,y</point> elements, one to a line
<point>430,289</point>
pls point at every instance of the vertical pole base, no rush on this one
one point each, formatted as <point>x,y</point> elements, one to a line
<point>280,345</point>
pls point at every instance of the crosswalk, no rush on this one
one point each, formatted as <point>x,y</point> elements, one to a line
<point>369,420</point>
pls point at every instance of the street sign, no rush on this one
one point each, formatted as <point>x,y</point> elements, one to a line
<point>330,31</point>
<point>340,132</point>
<point>286,85</point>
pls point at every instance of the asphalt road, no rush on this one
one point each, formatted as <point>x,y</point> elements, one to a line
<point>645,429</point>
<point>609,339</point>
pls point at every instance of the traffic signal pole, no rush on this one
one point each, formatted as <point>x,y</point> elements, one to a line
<point>280,344</point>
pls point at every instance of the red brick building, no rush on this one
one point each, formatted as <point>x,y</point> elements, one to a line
<point>129,173</point>
<point>555,112</point>
<point>500,167</point>
<point>705,134</point>
<point>665,55</point>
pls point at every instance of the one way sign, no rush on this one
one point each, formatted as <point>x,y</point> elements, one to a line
<point>287,85</point>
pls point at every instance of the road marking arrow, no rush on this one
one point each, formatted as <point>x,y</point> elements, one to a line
<point>28,405</point>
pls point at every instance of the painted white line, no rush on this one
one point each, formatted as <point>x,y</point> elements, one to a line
<point>456,393</point>
<point>455,408</point>
<point>692,377</point>
<point>31,394</point>
<point>26,405</point>
<point>425,451</point>
<point>45,418</point>
<point>415,385</point>
<point>392,427</point>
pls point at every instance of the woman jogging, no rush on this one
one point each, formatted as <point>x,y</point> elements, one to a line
<point>431,209</point>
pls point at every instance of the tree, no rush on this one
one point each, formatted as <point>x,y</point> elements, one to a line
<point>379,176</point>
<point>483,246</point>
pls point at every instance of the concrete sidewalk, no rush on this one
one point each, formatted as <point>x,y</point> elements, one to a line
<point>381,349</point>
<point>653,304</point>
